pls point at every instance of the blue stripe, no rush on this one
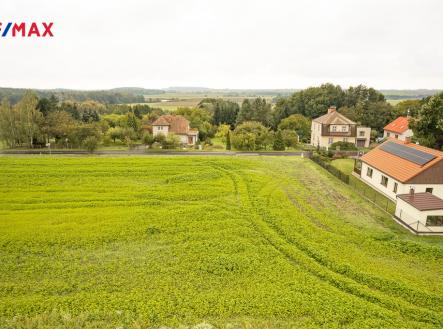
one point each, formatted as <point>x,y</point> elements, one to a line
<point>8,26</point>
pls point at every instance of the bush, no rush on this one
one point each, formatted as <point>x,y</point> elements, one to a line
<point>290,138</point>
<point>90,143</point>
<point>160,138</point>
<point>148,139</point>
<point>171,142</point>
<point>343,146</point>
<point>251,136</point>
<point>279,144</point>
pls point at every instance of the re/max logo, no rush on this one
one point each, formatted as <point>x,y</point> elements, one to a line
<point>26,30</point>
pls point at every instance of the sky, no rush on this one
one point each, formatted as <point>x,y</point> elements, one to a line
<point>225,44</point>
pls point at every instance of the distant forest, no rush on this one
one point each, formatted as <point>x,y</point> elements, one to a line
<point>110,96</point>
<point>129,95</point>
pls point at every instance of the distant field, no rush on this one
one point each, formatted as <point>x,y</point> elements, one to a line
<point>235,242</point>
<point>172,101</point>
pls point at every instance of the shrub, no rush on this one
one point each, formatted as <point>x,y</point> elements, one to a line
<point>90,143</point>
<point>251,136</point>
<point>171,142</point>
<point>344,146</point>
<point>148,139</point>
<point>290,138</point>
<point>279,144</point>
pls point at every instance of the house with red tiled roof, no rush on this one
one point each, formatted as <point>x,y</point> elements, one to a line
<point>411,175</point>
<point>177,125</point>
<point>335,127</point>
<point>399,129</point>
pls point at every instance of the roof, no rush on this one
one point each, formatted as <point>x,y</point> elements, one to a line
<point>422,201</point>
<point>399,168</point>
<point>333,117</point>
<point>399,125</point>
<point>177,123</point>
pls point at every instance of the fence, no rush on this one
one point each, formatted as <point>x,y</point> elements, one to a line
<point>358,186</point>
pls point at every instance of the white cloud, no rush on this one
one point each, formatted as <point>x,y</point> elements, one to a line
<point>232,44</point>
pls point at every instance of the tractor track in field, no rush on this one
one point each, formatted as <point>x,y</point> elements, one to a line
<point>401,307</point>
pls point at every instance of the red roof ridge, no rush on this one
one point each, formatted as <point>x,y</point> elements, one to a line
<point>399,125</point>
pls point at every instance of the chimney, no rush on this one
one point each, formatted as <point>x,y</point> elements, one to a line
<point>411,191</point>
<point>332,109</point>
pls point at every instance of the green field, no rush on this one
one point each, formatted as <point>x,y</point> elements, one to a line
<point>232,242</point>
<point>344,165</point>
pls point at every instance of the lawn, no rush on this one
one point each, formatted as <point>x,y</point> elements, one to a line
<point>344,165</point>
<point>232,242</point>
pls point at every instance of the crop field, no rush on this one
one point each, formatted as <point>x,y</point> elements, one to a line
<point>223,242</point>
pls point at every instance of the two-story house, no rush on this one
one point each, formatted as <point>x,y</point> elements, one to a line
<point>335,127</point>
<point>175,124</point>
<point>399,129</point>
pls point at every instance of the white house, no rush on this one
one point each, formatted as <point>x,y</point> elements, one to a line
<point>396,167</point>
<point>399,129</point>
<point>335,127</point>
<point>422,212</point>
<point>176,124</point>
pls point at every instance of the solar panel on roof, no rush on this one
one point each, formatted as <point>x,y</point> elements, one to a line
<point>416,156</point>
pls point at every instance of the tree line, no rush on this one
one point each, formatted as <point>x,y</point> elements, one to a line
<point>252,125</point>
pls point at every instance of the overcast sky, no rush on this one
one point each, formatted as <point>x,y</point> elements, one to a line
<point>225,44</point>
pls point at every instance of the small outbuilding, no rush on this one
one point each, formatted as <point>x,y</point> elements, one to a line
<point>422,212</point>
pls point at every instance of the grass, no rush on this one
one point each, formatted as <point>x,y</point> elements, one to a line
<point>344,165</point>
<point>234,242</point>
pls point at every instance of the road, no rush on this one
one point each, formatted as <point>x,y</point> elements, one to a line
<point>150,153</point>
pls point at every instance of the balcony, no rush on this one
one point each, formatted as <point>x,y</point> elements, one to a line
<point>327,131</point>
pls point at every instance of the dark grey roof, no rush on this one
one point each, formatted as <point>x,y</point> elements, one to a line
<point>422,201</point>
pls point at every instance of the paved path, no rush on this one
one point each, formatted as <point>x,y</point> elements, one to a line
<point>148,153</point>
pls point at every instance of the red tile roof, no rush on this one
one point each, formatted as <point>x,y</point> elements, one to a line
<point>422,201</point>
<point>399,125</point>
<point>177,123</point>
<point>396,167</point>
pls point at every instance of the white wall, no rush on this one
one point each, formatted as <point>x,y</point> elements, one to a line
<point>160,130</point>
<point>402,137</point>
<point>401,188</point>
<point>411,215</point>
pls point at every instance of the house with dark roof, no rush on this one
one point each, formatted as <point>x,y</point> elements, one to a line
<point>335,127</point>
<point>399,129</point>
<point>175,124</point>
<point>410,175</point>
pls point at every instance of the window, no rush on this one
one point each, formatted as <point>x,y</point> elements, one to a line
<point>361,133</point>
<point>388,134</point>
<point>395,188</point>
<point>345,139</point>
<point>330,140</point>
<point>160,128</point>
<point>429,190</point>
<point>434,221</point>
<point>396,136</point>
<point>369,172</point>
<point>334,128</point>
<point>343,128</point>
<point>384,181</point>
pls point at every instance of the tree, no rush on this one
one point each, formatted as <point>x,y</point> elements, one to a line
<point>279,144</point>
<point>90,143</point>
<point>115,133</point>
<point>251,136</point>
<point>29,118</point>
<point>148,139</point>
<point>428,124</point>
<point>59,124</point>
<point>290,138</point>
<point>407,107</point>
<point>297,123</point>
<point>222,132</point>
<point>228,140</point>
<point>224,112</point>
<point>258,110</point>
